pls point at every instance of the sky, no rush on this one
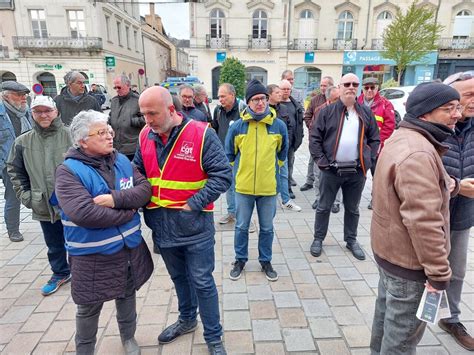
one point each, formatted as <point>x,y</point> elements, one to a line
<point>175,17</point>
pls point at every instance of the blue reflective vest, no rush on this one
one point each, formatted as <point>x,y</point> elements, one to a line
<point>85,241</point>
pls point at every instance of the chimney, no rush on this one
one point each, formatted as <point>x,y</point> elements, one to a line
<point>153,20</point>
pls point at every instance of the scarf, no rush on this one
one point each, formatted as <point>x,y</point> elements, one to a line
<point>20,115</point>
<point>259,116</point>
<point>439,131</point>
<point>75,98</point>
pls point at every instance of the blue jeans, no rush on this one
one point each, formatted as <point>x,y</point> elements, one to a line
<point>352,187</point>
<point>54,238</point>
<point>396,329</point>
<point>266,209</point>
<point>458,262</point>
<point>230,197</point>
<point>282,183</point>
<point>190,267</point>
<point>12,205</point>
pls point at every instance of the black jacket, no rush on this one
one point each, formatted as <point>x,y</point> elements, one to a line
<point>223,118</point>
<point>68,107</point>
<point>325,134</point>
<point>282,114</point>
<point>296,137</point>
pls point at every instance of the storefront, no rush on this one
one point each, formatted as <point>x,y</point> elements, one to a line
<point>371,63</point>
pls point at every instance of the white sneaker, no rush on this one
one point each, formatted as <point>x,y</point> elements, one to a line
<point>291,206</point>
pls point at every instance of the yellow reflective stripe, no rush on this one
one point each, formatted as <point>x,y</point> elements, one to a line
<point>164,203</point>
<point>379,118</point>
<point>177,185</point>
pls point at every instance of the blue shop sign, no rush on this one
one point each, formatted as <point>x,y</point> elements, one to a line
<point>375,57</point>
<point>220,57</point>
<point>309,57</point>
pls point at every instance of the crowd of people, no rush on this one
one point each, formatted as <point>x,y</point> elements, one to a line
<point>88,177</point>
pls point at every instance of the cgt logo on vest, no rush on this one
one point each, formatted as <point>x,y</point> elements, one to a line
<point>186,152</point>
<point>126,183</point>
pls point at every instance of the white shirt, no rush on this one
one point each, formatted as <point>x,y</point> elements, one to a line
<point>348,143</point>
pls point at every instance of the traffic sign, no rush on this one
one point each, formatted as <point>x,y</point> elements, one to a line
<point>37,89</point>
<point>110,61</point>
<point>141,71</point>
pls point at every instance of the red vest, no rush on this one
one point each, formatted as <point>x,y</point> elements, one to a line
<point>182,175</point>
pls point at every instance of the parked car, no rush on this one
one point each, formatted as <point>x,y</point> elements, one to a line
<point>103,90</point>
<point>398,97</point>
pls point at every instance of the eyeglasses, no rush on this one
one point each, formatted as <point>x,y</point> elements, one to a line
<point>103,133</point>
<point>367,88</point>
<point>39,113</point>
<point>117,87</point>
<point>354,85</point>
<point>19,94</point>
<point>452,109</point>
<point>461,76</point>
<point>187,97</point>
<point>256,100</point>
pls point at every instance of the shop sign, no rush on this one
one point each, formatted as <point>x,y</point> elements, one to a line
<point>110,62</point>
<point>375,57</point>
<point>49,66</point>
<point>220,57</point>
<point>309,57</point>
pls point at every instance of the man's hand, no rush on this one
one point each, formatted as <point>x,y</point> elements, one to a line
<point>430,288</point>
<point>104,200</point>
<point>467,187</point>
<point>452,185</point>
<point>186,207</point>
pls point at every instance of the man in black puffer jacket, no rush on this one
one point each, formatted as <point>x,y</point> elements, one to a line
<point>459,162</point>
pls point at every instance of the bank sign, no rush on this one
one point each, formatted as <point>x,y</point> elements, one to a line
<point>375,57</point>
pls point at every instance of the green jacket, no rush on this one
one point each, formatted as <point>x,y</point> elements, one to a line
<point>32,166</point>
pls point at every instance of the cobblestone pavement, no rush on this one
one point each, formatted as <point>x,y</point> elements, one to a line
<point>319,305</point>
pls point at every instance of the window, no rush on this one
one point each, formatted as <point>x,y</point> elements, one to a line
<point>107,28</point>
<point>306,14</point>
<point>7,5</point>
<point>127,36</point>
<point>38,23</point>
<point>345,26</point>
<point>463,13</point>
<point>384,19</point>
<point>463,24</point>
<point>119,33</point>
<point>77,24</point>
<point>259,27</point>
<point>217,23</point>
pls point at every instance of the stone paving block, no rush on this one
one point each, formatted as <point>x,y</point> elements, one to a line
<point>50,348</point>
<point>297,264</point>
<point>431,350</point>
<point>37,264</point>
<point>324,328</point>
<point>332,250</point>
<point>17,314</point>
<point>26,276</point>
<point>357,336</point>
<point>428,339</point>
<point>182,345</point>
<point>152,315</point>
<point>255,278</point>
<point>38,322</point>
<point>284,283</point>
<point>316,308</point>
<point>348,274</point>
<point>240,342</point>
<point>196,350</point>
<point>298,340</point>
<point>358,288</point>
<point>278,258</point>
<point>366,267</point>
<point>340,261</point>
<point>372,279</point>
<point>52,303</point>
<point>230,286</point>
<point>110,345</point>
<point>308,291</point>
<point>331,347</point>
<point>347,315</point>
<point>26,255</point>
<point>8,331</point>
<point>60,331</point>
<point>147,335</point>
<point>157,297</point>
<point>294,253</point>
<point>292,318</point>
<point>286,299</point>
<point>269,349</point>
<point>262,310</point>
<point>22,343</point>
<point>11,270</point>
<point>13,290</point>
<point>4,281</point>
<point>235,301</point>
<point>266,330</point>
<point>29,298</point>
<point>328,282</point>
<point>303,277</point>
<point>68,312</point>
<point>5,305</point>
<point>237,320</point>
<point>259,293</point>
<point>338,298</point>
<point>282,270</point>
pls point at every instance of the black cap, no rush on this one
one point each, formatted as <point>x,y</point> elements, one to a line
<point>254,87</point>
<point>427,97</point>
<point>14,86</point>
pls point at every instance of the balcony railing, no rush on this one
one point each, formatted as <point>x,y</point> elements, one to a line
<point>217,43</point>
<point>377,44</point>
<point>260,43</point>
<point>304,44</point>
<point>456,43</point>
<point>4,52</point>
<point>344,44</point>
<point>59,43</point>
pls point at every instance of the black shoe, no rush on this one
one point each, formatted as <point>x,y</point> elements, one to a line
<point>306,187</point>
<point>156,249</point>
<point>316,248</point>
<point>370,205</point>
<point>315,204</point>
<point>15,236</point>
<point>335,208</point>
<point>291,193</point>
<point>175,330</point>
<point>216,348</point>
<point>236,271</point>
<point>267,268</point>
<point>356,250</point>
<point>293,182</point>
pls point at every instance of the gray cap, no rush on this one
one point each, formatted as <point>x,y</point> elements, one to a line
<point>370,80</point>
<point>14,86</point>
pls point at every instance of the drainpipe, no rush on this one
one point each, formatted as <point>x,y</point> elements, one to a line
<point>288,31</point>
<point>367,24</point>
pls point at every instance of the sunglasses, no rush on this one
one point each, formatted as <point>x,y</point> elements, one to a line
<point>372,87</point>
<point>461,76</point>
<point>354,85</point>
<point>117,87</point>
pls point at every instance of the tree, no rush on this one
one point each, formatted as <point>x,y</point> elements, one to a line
<point>410,36</point>
<point>233,72</point>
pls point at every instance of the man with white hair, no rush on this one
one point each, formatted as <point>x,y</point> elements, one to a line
<point>186,96</point>
<point>74,97</point>
<point>200,101</point>
<point>15,119</point>
<point>31,164</point>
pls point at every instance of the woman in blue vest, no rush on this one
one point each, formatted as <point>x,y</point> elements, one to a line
<point>99,193</point>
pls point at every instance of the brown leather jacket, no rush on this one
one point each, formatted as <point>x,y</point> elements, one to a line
<point>410,221</point>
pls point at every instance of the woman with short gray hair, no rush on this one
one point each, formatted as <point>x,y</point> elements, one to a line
<point>99,194</point>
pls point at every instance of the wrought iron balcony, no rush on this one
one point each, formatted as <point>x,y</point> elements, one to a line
<point>4,52</point>
<point>456,43</point>
<point>58,43</point>
<point>260,43</point>
<point>344,44</point>
<point>377,44</point>
<point>217,43</point>
<point>304,44</point>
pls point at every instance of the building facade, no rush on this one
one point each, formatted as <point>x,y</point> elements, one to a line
<point>316,38</point>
